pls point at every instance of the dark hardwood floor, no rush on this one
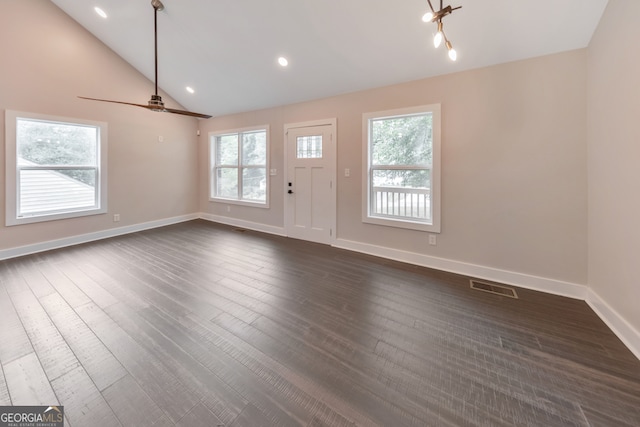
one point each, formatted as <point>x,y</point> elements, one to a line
<point>198,324</point>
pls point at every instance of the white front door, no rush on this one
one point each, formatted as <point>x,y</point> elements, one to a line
<point>310,187</point>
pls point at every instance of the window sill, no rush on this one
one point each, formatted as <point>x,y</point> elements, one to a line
<point>402,223</point>
<point>52,217</point>
<point>222,200</point>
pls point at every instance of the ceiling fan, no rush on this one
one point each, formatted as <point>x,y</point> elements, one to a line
<point>155,103</point>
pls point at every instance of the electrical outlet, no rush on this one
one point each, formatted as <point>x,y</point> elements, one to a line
<point>160,138</point>
<point>228,208</point>
<point>347,172</point>
<point>432,239</point>
<point>116,217</point>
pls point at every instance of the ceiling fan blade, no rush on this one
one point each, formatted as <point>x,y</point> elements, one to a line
<point>118,102</point>
<point>186,113</point>
<point>152,108</point>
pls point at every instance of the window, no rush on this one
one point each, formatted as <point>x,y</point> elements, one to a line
<point>309,147</point>
<point>239,166</point>
<point>56,168</point>
<point>402,168</point>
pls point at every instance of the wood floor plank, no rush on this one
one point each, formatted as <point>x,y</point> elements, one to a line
<point>83,403</point>
<point>27,382</point>
<point>14,341</point>
<point>34,278</point>
<point>53,352</point>
<point>96,293</point>
<point>161,385</point>
<point>65,287</point>
<point>5,399</point>
<point>200,416</point>
<point>234,356</point>
<point>155,334</point>
<point>131,404</point>
<point>100,364</point>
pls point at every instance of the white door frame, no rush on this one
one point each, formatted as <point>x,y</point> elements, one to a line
<point>332,172</point>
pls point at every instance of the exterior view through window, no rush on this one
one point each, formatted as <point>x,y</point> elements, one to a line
<point>403,169</point>
<point>57,169</point>
<point>239,166</point>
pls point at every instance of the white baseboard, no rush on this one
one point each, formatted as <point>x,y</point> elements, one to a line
<point>627,333</point>
<point>256,226</point>
<point>536,283</point>
<point>90,237</point>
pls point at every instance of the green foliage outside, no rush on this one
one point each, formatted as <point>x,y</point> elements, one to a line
<point>402,141</point>
<point>58,144</point>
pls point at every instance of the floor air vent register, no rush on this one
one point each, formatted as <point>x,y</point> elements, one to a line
<point>493,288</point>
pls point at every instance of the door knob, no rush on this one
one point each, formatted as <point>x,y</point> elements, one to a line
<point>290,191</point>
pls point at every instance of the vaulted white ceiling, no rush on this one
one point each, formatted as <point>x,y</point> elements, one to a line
<point>227,50</point>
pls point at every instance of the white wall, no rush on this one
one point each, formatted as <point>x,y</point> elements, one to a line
<point>514,192</point>
<point>614,163</point>
<point>47,60</point>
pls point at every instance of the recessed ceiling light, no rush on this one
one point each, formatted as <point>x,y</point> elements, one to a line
<point>190,89</point>
<point>100,12</point>
<point>283,61</point>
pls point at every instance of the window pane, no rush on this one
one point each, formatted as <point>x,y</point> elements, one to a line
<point>227,182</point>
<point>309,147</point>
<point>401,178</point>
<point>227,150</point>
<point>52,190</point>
<point>254,148</point>
<point>402,140</point>
<point>402,194</point>
<point>51,143</point>
<point>254,184</point>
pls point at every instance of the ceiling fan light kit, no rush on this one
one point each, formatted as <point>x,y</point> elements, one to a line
<point>155,103</point>
<point>436,16</point>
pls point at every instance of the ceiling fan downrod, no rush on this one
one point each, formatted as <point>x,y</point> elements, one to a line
<point>156,100</point>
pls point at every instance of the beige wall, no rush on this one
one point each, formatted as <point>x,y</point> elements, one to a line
<point>614,157</point>
<point>47,60</point>
<point>514,174</point>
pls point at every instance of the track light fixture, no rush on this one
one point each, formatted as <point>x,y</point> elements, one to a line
<point>436,16</point>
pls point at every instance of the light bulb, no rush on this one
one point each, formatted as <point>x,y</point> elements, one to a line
<point>427,17</point>
<point>437,39</point>
<point>453,55</point>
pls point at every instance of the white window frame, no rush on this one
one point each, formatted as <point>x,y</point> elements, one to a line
<point>13,170</point>
<point>213,166</point>
<point>367,216</point>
